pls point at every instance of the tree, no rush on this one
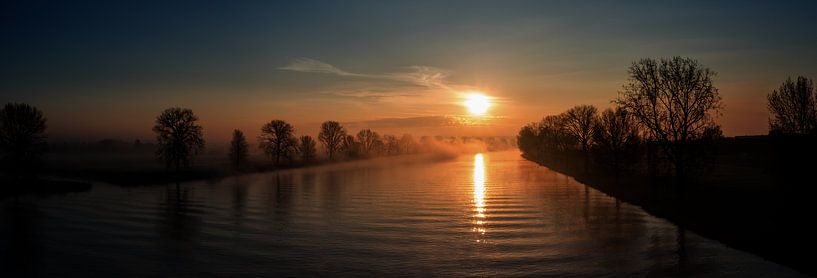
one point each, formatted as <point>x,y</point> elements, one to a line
<point>407,144</point>
<point>616,138</point>
<point>331,136</point>
<point>793,107</point>
<point>391,145</point>
<point>675,101</point>
<point>22,138</point>
<point>553,135</point>
<point>379,147</point>
<point>350,146</point>
<point>307,149</point>
<point>368,141</point>
<point>579,123</point>
<point>277,140</point>
<point>178,137</point>
<point>239,149</point>
<point>527,140</point>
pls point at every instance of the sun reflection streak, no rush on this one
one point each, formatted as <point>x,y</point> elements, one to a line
<point>479,195</point>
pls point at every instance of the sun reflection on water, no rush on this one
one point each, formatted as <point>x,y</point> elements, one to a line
<point>479,195</point>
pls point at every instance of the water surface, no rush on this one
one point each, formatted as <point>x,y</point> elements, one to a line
<point>491,214</point>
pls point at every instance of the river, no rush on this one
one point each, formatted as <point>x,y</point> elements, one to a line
<point>489,214</point>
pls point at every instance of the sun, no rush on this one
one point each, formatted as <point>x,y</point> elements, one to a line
<point>477,103</point>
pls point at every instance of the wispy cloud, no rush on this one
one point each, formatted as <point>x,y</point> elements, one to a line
<point>372,93</point>
<point>311,65</point>
<point>424,76</point>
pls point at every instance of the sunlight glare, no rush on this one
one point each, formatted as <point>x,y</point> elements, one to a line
<point>479,194</point>
<point>477,103</point>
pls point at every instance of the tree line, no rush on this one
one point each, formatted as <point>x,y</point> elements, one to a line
<point>180,139</point>
<point>665,114</point>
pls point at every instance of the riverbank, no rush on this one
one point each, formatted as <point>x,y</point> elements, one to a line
<point>738,203</point>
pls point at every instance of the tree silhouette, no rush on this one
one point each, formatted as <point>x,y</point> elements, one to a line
<point>331,136</point>
<point>368,141</point>
<point>239,149</point>
<point>793,107</point>
<point>277,140</point>
<point>548,139</point>
<point>527,140</point>
<point>553,133</point>
<point>307,149</point>
<point>579,122</point>
<point>616,138</point>
<point>350,146</point>
<point>379,147</point>
<point>675,101</point>
<point>178,137</point>
<point>391,145</point>
<point>22,139</point>
<point>407,144</point>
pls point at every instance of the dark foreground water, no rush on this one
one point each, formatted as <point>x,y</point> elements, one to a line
<point>491,214</point>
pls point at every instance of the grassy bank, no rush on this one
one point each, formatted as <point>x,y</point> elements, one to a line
<point>749,197</point>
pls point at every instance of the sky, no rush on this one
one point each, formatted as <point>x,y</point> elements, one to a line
<point>105,69</point>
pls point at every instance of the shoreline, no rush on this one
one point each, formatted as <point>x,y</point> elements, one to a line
<point>761,221</point>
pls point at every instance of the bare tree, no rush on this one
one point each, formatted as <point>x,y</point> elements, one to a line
<point>553,135</point>
<point>391,145</point>
<point>307,149</point>
<point>379,147</point>
<point>22,138</point>
<point>331,136</point>
<point>407,144</point>
<point>368,141</point>
<point>239,149</point>
<point>178,136</point>
<point>277,140</point>
<point>616,138</point>
<point>675,101</point>
<point>579,122</point>
<point>793,107</point>
<point>350,146</point>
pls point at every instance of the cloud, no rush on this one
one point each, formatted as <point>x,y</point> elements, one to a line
<point>372,93</point>
<point>311,65</point>
<point>424,76</point>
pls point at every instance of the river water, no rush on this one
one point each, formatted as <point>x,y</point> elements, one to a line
<point>490,214</point>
